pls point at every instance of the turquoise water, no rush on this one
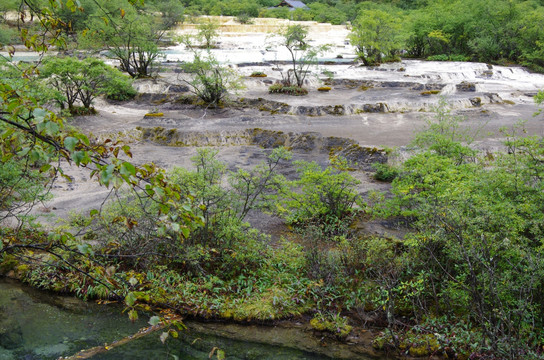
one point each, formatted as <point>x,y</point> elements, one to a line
<point>41,325</point>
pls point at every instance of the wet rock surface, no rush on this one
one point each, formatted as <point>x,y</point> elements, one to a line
<point>304,142</point>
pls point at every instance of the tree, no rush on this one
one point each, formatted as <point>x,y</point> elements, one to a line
<point>207,33</point>
<point>303,55</point>
<point>130,38</point>
<point>172,12</point>
<point>320,196</point>
<point>83,80</point>
<point>211,81</point>
<point>36,139</point>
<point>375,34</point>
<point>478,235</point>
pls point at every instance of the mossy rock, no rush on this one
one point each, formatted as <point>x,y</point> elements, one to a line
<point>476,101</point>
<point>258,75</point>
<point>430,92</point>
<point>324,89</point>
<point>158,114</point>
<point>338,329</point>
<point>466,86</point>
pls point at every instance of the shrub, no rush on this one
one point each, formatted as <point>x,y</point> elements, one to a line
<point>441,57</point>
<point>444,57</point>
<point>120,88</point>
<point>288,90</point>
<point>335,324</point>
<point>430,92</point>
<point>82,111</point>
<point>244,18</point>
<point>257,74</point>
<point>385,172</point>
<point>211,81</point>
<point>320,194</point>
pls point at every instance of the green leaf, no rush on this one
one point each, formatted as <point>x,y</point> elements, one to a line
<point>133,315</point>
<point>154,320</point>
<point>127,169</point>
<point>70,143</point>
<point>83,138</point>
<point>39,114</point>
<point>51,128</point>
<point>163,337</point>
<point>45,167</point>
<point>130,299</point>
<point>79,157</point>
<point>85,249</point>
<point>175,227</point>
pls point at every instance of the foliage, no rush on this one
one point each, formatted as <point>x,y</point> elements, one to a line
<point>37,140</point>
<point>335,324</point>
<point>21,187</point>
<point>376,33</point>
<point>7,36</point>
<point>83,80</point>
<point>219,206</point>
<point>211,81</point>
<point>320,194</point>
<point>295,39</point>
<point>478,230</point>
<point>130,38</point>
<point>280,88</point>
<point>244,18</point>
<point>445,135</point>
<point>483,30</point>
<point>444,57</point>
<point>385,172</point>
<point>207,33</point>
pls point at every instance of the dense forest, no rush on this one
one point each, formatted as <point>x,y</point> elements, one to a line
<point>465,282</point>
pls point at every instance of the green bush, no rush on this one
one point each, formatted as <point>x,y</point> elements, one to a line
<point>289,90</point>
<point>211,81</point>
<point>385,172</point>
<point>119,88</point>
<point>320,194</point>
<point>441,57</point>
<point>21,187</point>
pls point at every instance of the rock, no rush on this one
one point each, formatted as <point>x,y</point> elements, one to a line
<point>375,108</point>
<point>466,86</point>
<point>487,74</point>
<point>494,98</point>
<point>476,101</point>
<point>178,89</point>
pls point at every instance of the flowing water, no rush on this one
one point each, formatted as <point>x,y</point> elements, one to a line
<point>40,325</point>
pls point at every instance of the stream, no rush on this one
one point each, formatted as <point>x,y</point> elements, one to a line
<point>41,325</point>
